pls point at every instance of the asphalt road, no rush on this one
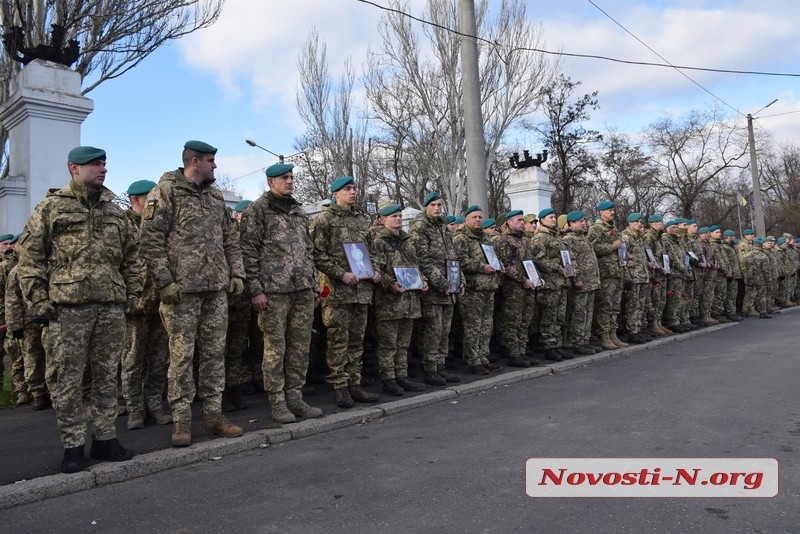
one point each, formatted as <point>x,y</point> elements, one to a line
<point>459,466</point>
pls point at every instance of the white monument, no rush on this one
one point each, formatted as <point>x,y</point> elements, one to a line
<point>529,189</point>
<point>43,116</point>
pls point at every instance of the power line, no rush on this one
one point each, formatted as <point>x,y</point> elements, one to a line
<point>584,56</point>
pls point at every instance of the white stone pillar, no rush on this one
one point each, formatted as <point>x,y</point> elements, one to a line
<point>43,116</point>
<point>529,189</point>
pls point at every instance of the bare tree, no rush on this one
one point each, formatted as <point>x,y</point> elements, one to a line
<point>113,36</point>
<point>692,152</point>
<point>571,157</point>
<point>780,180</point>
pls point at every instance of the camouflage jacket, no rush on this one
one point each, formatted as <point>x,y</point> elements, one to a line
<point>148,303</point>
<point>394,251</point>
<point>187,236</point>
<point>276,246</point>
<point>547,246</point>
<point>434,246</point>
<point>77,250</point>
<point>329,232</point>
<point>794,259</point>
<point>638,273</point>
<point>674,249</point>
<point>7,262</point>
<point>602,236</point>
<point>582,252</point>
<point>512,248</point>
<point>774,264</point>
<point>719,256</point>
<point>468,249</point>
<point>756,267</point>
<point>732,257</point>
<point>744,247</point>
<point>693,247</point>
<point>19,315</point>
<point>652,240</point>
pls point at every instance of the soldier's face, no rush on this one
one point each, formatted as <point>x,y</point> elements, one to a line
<point>205,167</point>
<point>692,229</point>
<point>393,221</point>
<point>346,196</point>
<point>674,229</point>
<point>716,234</point>
<point>4,245</point>
<point>516,223</point>
<point>530,227</point>
<point>549,221</point>
<point>91,174</point>
<point>608,215</point>
<point>474,220</point>
<point>434,208</point>
<point>282,185</point>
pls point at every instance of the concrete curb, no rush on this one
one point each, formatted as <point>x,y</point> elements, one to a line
<point>29,491</point>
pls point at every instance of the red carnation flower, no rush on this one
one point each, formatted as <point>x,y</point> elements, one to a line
<point>326,290</point>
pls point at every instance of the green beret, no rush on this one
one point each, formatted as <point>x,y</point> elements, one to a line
<point>673,222</point>
<point>84,154</point>
<point>6,237</point>
<point>713,228</point>
<point>391,209</point>
<point>278,169</point>
<point>703,230</point>
<point>797,239</point>
<point>341,182</point>
<point>758,241</point>
<point>451,219</point>
<point>530,218</point>
<point>199,146</point>
<point>655,218</point>
<point>241,205</point>
<point>781,241</point>
<point>141,187</point>
<point>15,238</point>
<point>736,241</point>
<point>769,238</point>
<point>430,197</point>
<point>635,216</point>
<point>545,212</point>
<point>472,208</point>
<point>729,233</point>
<point>513,213</point>
<point>488,222</point>
<point>605,205</point>
<point>748,231</point>
<point>681,220</point>
<point>690,221</point>
<point>459,220</point>
<point>575,216</point>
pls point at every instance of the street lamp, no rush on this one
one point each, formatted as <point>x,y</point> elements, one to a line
<point>758,209</point>
<point>254,144</point>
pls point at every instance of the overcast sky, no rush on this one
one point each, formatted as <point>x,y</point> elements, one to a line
<point>238,79</point>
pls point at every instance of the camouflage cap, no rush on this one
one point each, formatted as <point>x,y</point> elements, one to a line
<point>561,220</point>
<point>200,146</point>
<point>531,218</point>
<point>82,155</point>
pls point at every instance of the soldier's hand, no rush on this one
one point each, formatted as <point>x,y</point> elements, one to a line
<point>617,243</point>
<point>171,293</point>
<point>528,285</point>
<point>425,287</point>
<point>376,277</point>
<point>488,269</point>
<point>578,284</point>
<point>397,289</point>
<point>259,302</point>
<point>44,309</point>
<point>236,286</point>
<point>349,279</point>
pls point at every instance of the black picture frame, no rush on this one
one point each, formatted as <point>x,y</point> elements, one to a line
<point>409,278</point>
<point>358,259</point>
<point>453,272</point>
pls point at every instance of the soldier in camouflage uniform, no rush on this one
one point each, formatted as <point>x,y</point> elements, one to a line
<point>516,288</point>
<point>78,267</point>
<point>658,280</point>
<point>675,296</point>
<point>636,279</point>
<point>793,259</point>
<point>584,285</point>
<point>476,305</point>
<point>27,335</point>
<point>5,253</point>
<point>146,356</point>
<point>690,315</point>
<point>346,295</point>
<point>724,272</point>
<point>279,263</point>
<point>756,270</point>
<point>744,246</point>
<point>551,299</point>
<point>396,306</point>
<point>605,241</point>
<point>434,246</point>
<point>13,346</point>
<point>704,289</point>
<point>192,253</point>
<point>768,246</point>
<point>786,271</point>
<point>732,282</point>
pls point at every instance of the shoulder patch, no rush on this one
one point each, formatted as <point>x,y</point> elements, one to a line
<point>150,209</point>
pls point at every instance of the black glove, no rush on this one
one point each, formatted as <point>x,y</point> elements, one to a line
<point>18,334</point>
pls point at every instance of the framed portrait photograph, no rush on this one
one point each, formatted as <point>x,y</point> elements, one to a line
<point>532,273</point>
<point>491,256</point>
<point>650,256</point>
<point>358,259</point>
<point>622,252</point>
<point>409,278</point>
<point>665,259</point>
<point>453,270</point>
<point>566,261</point>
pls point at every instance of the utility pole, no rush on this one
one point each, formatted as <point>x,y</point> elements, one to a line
<point>477,190</point>
<point>758,214</point>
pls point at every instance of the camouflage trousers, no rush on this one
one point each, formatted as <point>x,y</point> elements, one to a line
<point>515,318</point>
<point>34,359</point>
<point>731,295</point>
<point>608,304</point>
<point>237,368</point>
<point>747,299</point>
<point>552,309</point>
<point>780,291</point>
<point>690,302</point>
<point>198,321</point>
<point>86,337</point>
<point>579,327</point>
<point>658,298</point>
<point>286,324</point>
<point>634,299</point>
<point>476,309</point>
<point>706,297</point>
<point>675,298</point>
<point>346,325</point>
<point>720,295</point>
<point>759,293</point>
<point>771,290</point>
<point>394,337</point>
<point>434,342</point>
<point>13,347</point>
<point>144,364</point>
<point>791,286</point>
